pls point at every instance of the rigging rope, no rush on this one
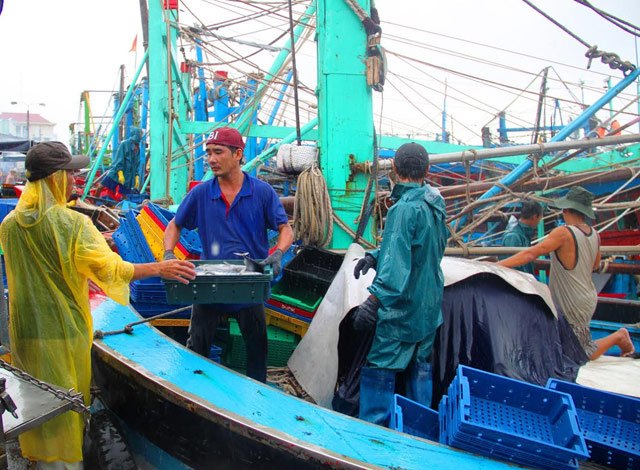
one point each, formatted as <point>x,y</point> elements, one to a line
<point>312,211</point>
<point>620,23</point>
<point>611,59</point>
<point>529,56</point>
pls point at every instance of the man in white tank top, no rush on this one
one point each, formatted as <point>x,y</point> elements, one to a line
<point>575,253</point>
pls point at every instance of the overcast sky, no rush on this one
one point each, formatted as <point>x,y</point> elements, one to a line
<point>52,51</point>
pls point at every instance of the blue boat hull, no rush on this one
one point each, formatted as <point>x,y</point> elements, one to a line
<point>208,416</point>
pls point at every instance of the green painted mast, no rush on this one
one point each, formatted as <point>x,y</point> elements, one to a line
<point>169,162</point>
<point>345,110</point>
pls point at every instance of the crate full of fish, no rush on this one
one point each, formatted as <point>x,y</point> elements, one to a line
<point>222,282</point>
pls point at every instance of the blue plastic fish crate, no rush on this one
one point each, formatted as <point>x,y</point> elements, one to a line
<point>149,292</point>
<point>415,419</point>
<point>132,246</point>
<point>6,206</point>
<point>610,424</point>
<point>520,422</point>
<point>450,434</point>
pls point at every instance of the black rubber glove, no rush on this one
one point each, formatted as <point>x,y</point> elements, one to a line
<point>168,254</point>
<point>274,259</point>
<point>364,264</point>
<point>366,315</point>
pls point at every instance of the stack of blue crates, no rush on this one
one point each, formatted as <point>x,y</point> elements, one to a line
<point>148,296</point>
<point>129,239</point>
<point>507,419</point>
<point>610,424</point>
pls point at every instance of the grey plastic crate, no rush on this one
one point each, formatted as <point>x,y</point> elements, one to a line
<point>221,289</point>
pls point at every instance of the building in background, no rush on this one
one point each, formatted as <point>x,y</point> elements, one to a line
<point>15,124</point>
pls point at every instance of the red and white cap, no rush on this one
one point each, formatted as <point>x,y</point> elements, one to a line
<point>226,136</point>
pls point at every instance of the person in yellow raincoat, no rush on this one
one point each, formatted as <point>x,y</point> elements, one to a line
<point>51,252</point>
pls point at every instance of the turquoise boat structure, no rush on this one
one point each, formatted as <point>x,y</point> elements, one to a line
<point>183,411</point>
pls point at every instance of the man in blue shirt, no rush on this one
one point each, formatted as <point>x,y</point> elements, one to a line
<point>232,213</point>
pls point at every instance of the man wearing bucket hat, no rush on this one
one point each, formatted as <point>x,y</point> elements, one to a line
<point>51,252</point>
<point>232,212</point>
<point>575,254</point>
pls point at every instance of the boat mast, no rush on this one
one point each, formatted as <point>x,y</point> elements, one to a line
<point>345,110</point>
<point>169,99</point>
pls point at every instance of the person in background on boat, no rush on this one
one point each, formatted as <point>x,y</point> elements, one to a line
<point>12,177</point>
<point>123,174</point>
<point>519,231</point>
<point>575,254</point>
<point>51,252</point>
<point>232,213</point>
<point>406,294</point>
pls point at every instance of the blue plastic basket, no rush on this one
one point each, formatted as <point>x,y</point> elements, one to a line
<point>415,419</point>
<point>6,206</point>
<point>610,424</point>
<point>132,246</point>
<point>453,436</point>
<point>512,420</point>
<point>149,292</point>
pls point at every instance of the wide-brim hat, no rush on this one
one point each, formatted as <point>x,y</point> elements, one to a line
<point>46,158</point>
<point>578,199</point>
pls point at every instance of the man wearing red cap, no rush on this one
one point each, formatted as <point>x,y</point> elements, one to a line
<point>232,213</point>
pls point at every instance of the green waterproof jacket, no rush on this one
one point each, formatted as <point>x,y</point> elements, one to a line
<point>127,159</point>
<point>519,235</point>
<point>409,281</point>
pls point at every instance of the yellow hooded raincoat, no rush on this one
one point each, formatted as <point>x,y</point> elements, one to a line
<point>50,252</point>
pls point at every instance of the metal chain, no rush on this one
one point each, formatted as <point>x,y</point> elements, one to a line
<point>76,399</point>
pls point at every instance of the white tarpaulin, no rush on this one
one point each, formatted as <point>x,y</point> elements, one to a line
<point>612,374</point>
<point>314,363</point>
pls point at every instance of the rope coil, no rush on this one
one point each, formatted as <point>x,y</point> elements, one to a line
<point>312,211</point>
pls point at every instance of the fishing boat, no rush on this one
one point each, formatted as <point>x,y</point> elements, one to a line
<point>181,410</point>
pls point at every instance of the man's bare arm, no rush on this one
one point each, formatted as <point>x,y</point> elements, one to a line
<point>553,241</point>
<point>171,236</point>
<point>596,264</point>
<point>285,239</point>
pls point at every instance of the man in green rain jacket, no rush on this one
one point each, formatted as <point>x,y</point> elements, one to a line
<point>520,232</point>
<point>406,294</point>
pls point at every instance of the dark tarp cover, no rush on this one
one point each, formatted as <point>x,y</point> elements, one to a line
<point>488,325</point>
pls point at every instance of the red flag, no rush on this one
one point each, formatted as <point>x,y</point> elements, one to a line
<point>134,46</point>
